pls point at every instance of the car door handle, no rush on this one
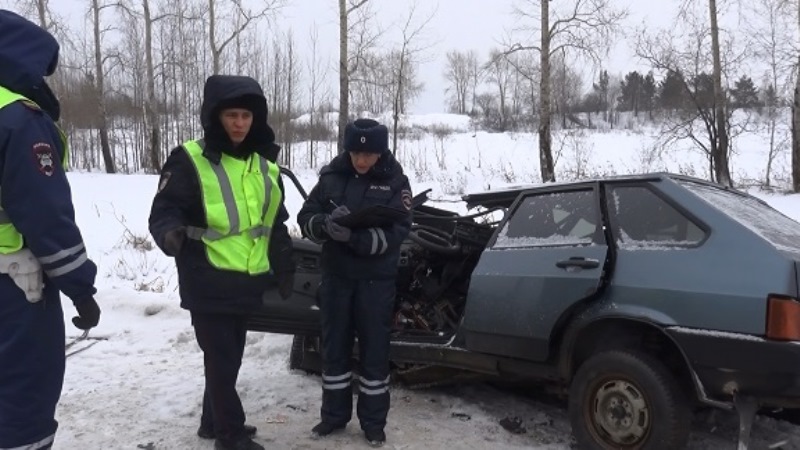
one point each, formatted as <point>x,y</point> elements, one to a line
<point>577,261</point>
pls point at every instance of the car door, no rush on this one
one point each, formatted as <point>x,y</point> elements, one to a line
<point>299,314</point>
<point>547,256</point>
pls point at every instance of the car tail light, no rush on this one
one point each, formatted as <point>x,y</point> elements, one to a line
<point>783,318</point>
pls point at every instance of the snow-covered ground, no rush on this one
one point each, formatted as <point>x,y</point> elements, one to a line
<point>137,381</point>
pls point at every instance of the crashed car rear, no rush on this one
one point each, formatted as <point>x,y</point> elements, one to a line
<point>642,297</point>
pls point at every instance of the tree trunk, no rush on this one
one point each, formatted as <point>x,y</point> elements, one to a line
<point>344,76</point>
<point>212,33</point>
<point>796,137</point>
<point>396,103</point>
<point>41,9</point>
<point>796,128</point>
<point>289,99</point>
<point>99,93</point>
<point>150,116</point>
<point>720,155</point>
<point>546,167</point>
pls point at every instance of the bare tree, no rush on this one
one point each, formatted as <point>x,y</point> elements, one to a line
<point>148,100</point>
<point>317,75</point>
<point>498,72</point>
<point>720,153</point>
<point>99,84</point>
<point>347,7</point>
<point>241,17</point>
<point>685,50</point>
<point>771,44</point>
<point>796,122</point>
<point>459,72</point>
<point>583,26</point>
<point>403,84</point>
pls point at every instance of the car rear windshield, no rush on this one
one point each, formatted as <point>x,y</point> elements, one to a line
<point>767,222</point>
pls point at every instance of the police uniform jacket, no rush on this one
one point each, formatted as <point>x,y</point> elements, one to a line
<point>34,190</point>
<point>179,203</point>
<point>371,253</point>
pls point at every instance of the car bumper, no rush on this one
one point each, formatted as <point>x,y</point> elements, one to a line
<point>728,363</point>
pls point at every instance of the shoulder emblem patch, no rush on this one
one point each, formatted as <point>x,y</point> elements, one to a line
<point>43,157</point>
<point>164,180</point>
<point>405,197</point>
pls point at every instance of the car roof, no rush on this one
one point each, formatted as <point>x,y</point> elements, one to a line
<point>505,197</point>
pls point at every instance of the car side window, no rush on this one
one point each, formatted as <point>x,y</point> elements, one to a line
<point>564,218</point>
<point>642,219</point>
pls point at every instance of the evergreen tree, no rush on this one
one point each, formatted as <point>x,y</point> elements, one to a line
<point>745,93</point>
<point>601,89</point>
<point>632,93</point>
<point>672,91</point>
<point>770,99</point>
<point>703,87</point>
<point>649,90</point>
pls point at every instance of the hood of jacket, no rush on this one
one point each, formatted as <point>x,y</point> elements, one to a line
<point>28,53</point>
<point>220,90</point>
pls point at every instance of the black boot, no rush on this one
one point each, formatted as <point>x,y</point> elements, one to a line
<point>375,438</point>
<point>243,443</point>
<point>208,432</point>
<point>323,429</point>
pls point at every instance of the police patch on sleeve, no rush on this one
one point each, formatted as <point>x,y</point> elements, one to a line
<point>43,157</point>
<point>405,197</point>
<point>164,180</point>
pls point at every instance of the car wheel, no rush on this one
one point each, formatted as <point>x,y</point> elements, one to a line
<point>627,400</point>
<point>303,356</point>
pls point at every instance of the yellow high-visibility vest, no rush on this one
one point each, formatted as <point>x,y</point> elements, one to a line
<point>241,200</point>
<point>10,239</point>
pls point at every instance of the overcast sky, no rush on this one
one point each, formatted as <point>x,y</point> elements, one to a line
<point>456,24</point>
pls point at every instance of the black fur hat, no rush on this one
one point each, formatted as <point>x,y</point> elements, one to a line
<point>367,136</point>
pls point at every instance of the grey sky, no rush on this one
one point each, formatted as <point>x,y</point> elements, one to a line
<point>456,24</point>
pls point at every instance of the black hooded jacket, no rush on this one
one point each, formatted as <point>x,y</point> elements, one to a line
<point>179,203</point>
<point>370,253</point>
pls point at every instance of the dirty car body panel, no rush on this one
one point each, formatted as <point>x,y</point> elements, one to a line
<point>666,271</point>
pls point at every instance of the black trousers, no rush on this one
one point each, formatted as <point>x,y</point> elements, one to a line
<point>222,338</point>
<point>351,308</point>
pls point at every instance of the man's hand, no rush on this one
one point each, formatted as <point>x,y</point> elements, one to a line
<point>340,211</point>
<point>173,240</point>
<point>335,231</point>
<point>88,314</point>
<point>286,284</point>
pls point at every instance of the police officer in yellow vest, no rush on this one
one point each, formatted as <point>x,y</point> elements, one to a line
<point>219,211</point>
<point>41,248</point>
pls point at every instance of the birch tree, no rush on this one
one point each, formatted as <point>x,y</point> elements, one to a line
<point>457,73</point>
<point>404,85</point>
<point>583,27</point>
<point>720,151</point>
<point>796,120</point>
<point>347,63</point>
<point>239,17</point>
<point>317,75</point>
<point>99,85</point>
<point>771,42</point>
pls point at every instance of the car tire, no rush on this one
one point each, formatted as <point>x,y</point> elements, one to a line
<point>303,356</point>
<point>625,399</point>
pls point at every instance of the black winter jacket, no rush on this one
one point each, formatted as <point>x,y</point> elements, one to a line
<point>179,203</point>
<point>371,253</point>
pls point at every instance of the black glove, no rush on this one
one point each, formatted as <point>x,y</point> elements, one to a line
<point>173,241</point>
<point>335,231</point>
<point>340,211</point>
<point>286,284</point>
<point>88,314</point>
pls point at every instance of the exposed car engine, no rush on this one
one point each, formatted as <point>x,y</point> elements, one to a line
<point>434,270</point>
